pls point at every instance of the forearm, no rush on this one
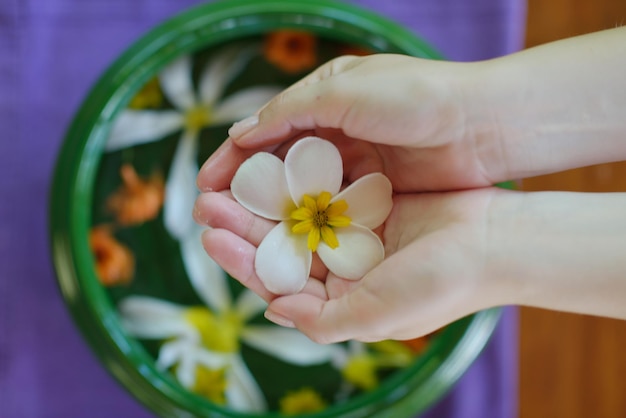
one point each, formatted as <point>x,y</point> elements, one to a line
<point>561,251</point>
<point>558,106</point>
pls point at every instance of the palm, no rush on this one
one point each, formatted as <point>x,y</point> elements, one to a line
<point>435,247</point>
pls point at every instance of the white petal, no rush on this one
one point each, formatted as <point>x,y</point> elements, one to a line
<point>220,70</point>
<point>211,359</point>
<point>149,308</point>
<point>242,391</point>
<point>369,200</point>
<point>206,276</point>
<point>288,345</point>
<point>147,317</point>
<point>313,165</point>
<point>359,251</point>
<point>243,103</point>
<point>260,186</point>
<point>186,371</point>
<point>180,188</point>
<point>283,261</point>
<point>171,352</point>
<point>134,127</point>
<point>176,83</point>
<point>249,305</point>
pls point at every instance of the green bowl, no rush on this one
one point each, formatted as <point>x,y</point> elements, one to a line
<point>87,173</point>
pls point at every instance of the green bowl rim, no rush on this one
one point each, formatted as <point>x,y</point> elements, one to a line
<point>75,172</point>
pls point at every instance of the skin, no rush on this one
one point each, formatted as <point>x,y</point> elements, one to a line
<point>444,133</point>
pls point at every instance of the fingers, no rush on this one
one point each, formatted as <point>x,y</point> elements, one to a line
<point>236,256</point>
<point>219,210</point>
<point>355,315</point>
<point>218,170</point>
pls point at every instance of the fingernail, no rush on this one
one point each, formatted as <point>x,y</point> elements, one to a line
<point>278,319</point>
<point>243,126</point>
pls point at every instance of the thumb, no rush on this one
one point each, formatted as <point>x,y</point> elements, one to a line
<point>355,315</point>
<point>312,102</point>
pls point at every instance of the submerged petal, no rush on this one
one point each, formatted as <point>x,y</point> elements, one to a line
<point>176,83</point>
<point>369,200</point>
<point>243,103</point>
<point>287,344</point>
<point>260,186</point>
<point>180,188</point>
<point>249,304</point>
<point>283,261</point>
<point>171,352</point>
<point>134,127</point>
<point>206,276</point>
<point>358,252</point>
<point>223,67</point>
<point>147,317</point>
<point>243,392</point>
<point>313,166</point>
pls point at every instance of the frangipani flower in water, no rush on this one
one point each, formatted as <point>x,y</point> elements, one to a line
<point>203,342</point>
<point>194,111</point>
<point>303,193</point>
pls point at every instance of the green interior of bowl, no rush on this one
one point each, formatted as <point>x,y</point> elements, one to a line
<point>87,175</point>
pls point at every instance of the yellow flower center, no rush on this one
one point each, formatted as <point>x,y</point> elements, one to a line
<point>197,118</point>
<point>361,371</point>
<point>318,217</point>
<point>211,383</point>
<point>301,401</point>
<point>150,96</point>
<point>218,332</point>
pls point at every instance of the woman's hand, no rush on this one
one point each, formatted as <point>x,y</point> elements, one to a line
<point>436,268</point>
<point>402,116</point>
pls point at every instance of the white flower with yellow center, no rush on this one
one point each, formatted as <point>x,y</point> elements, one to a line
<point>203,343</point>
<point>303,193</point>
<point>193,112</point>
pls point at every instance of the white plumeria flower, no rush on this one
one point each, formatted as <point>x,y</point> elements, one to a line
<point>193,112</point>
<point>303,193</point>
<point>198,336</point>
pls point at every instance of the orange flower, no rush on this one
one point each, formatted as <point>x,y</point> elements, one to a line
<point>417,345</point>
<point>137,200</point>
<point>291,51</point>
<point>354,50</point>
<point>115,263</point>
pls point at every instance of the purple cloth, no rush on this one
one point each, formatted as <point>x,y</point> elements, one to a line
<point>51,51</point>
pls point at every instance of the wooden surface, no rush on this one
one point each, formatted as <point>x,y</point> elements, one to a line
<point>573,366</point>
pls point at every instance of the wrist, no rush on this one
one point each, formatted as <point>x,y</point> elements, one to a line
<point>561,251</point>
<point>550,108</point>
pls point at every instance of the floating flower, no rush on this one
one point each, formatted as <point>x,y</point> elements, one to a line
<point>303,193</point>
<point>115,263</point>
<point>301,401</point>
<point>137,200</point>
<point>193,112</point>
<point>291,51</point>
<point>203,342</point>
